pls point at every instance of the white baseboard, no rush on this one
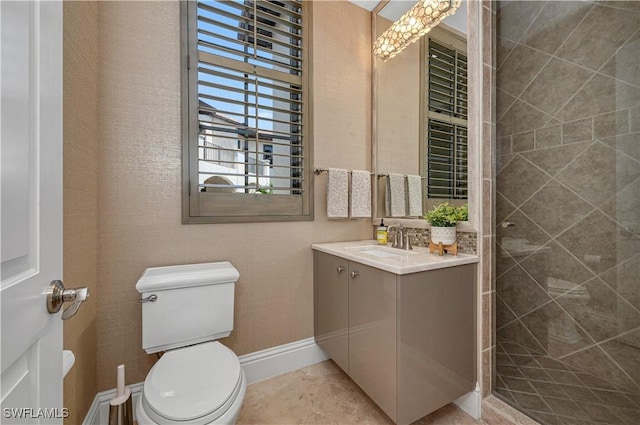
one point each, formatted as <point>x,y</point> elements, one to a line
<point>471,403</point>
<point>275,361</point>
<point>263,365</point>
<point>257,367</point>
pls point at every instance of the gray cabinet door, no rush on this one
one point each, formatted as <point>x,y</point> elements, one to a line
<point>372,334</point>
<point>331,307</point>
<point>436,338</point>
<point>408,341</point>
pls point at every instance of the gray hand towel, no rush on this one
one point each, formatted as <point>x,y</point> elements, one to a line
<point>360,202</point>
<point>414,190</point>
<point>395,196</point>
<point>337,193</point>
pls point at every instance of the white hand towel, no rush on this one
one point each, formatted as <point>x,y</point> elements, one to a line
<point>360,202</point>
<point>337,193</point>
<point>395,196</point>
<point>414,189</point>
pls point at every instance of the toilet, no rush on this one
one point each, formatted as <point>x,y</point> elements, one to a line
<point>185,309</point>
<point>561,327</point>
<point>570,290</point>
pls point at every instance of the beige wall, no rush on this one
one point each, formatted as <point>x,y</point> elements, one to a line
<point>139,181</point>
<point>139,185</point>
<point>81,198</point>
<point>398,111</point>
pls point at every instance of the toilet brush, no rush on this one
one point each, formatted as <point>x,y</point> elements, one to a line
<point>120,410</point>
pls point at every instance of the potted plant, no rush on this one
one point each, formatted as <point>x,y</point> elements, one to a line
<point>443,219</point>
<point>463,212</point>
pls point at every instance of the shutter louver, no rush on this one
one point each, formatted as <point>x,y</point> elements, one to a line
<point>447,122</point>
<point>250,97</point>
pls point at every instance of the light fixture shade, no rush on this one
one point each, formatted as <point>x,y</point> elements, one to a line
<point>415,23</point>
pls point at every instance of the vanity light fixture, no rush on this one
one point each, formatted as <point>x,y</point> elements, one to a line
<point>415,23</point>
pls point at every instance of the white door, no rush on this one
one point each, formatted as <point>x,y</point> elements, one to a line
<point>31,210</point>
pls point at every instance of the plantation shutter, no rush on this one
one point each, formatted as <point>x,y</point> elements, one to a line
<point>446,122</point>
<point>250,78</point>
<point>447,160</point>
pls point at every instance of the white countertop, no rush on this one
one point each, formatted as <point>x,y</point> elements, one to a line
<point>399,261</point>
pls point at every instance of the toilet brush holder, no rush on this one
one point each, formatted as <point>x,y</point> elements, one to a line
<point>120,406</point>
<point>121,414</point>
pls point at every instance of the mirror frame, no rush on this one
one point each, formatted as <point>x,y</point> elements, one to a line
<point>476,71</point>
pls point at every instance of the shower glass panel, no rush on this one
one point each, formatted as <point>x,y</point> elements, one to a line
<point>568,210</point>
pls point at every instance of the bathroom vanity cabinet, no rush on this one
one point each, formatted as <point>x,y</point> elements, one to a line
<point>408,340</point>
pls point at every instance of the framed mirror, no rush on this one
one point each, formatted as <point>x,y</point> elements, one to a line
<point>421,110</point>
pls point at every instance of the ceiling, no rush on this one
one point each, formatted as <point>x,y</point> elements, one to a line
<point>395,8</point>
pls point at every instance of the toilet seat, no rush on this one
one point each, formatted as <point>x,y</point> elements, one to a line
<point>557,287</point>
<point>195,384</point>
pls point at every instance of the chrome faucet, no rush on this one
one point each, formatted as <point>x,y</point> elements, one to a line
<point>396,229</point>
<point>401,239</point>
<point>398,238</point>
<point>407,241</point>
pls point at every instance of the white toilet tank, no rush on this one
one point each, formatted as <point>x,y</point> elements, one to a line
<point>193,303</point>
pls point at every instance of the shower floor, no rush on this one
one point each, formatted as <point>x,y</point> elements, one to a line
<point>554,393</point>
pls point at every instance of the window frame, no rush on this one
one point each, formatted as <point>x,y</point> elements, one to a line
<point>453,40</point>
<point>209,207</point>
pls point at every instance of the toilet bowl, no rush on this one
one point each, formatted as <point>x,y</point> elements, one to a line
<point>201,384</point>
<point>185,309</point>
<point>561,327</point>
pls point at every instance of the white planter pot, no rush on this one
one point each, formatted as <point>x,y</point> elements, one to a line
<point>446,235</point>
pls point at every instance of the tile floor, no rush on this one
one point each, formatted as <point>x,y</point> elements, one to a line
<point>323,394</point>
<point>555,393</point>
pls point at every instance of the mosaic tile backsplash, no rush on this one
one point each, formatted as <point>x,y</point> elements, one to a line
<point>467,241</point>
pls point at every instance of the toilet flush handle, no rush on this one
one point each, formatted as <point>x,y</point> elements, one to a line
<point>150,299</point>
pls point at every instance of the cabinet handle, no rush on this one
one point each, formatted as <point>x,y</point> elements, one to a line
<point>354,274</point>
<point>339,269</point>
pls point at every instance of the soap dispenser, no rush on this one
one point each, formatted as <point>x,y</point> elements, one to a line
<point>381,233</point>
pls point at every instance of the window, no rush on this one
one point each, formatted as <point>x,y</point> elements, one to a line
<point>246,111</point>
<point>445,117</point>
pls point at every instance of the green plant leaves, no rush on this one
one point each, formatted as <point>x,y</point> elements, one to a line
<point>445,215</point>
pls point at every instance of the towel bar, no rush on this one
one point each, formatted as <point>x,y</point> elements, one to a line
<point>318,171</point>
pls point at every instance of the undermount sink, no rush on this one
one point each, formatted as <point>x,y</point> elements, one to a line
<point>382,251</point>
<point>393,260</point>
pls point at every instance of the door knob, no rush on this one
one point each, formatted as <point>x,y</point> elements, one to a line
<point>354,274</point>
<point>58,295</point>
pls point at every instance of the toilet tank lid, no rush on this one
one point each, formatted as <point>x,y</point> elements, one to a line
<point>169,277</point>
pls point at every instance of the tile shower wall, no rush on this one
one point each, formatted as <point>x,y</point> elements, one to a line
<point>568,210</point>
<point>487,240</point>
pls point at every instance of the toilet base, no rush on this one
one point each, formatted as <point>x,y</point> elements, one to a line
<point>230,417</point>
